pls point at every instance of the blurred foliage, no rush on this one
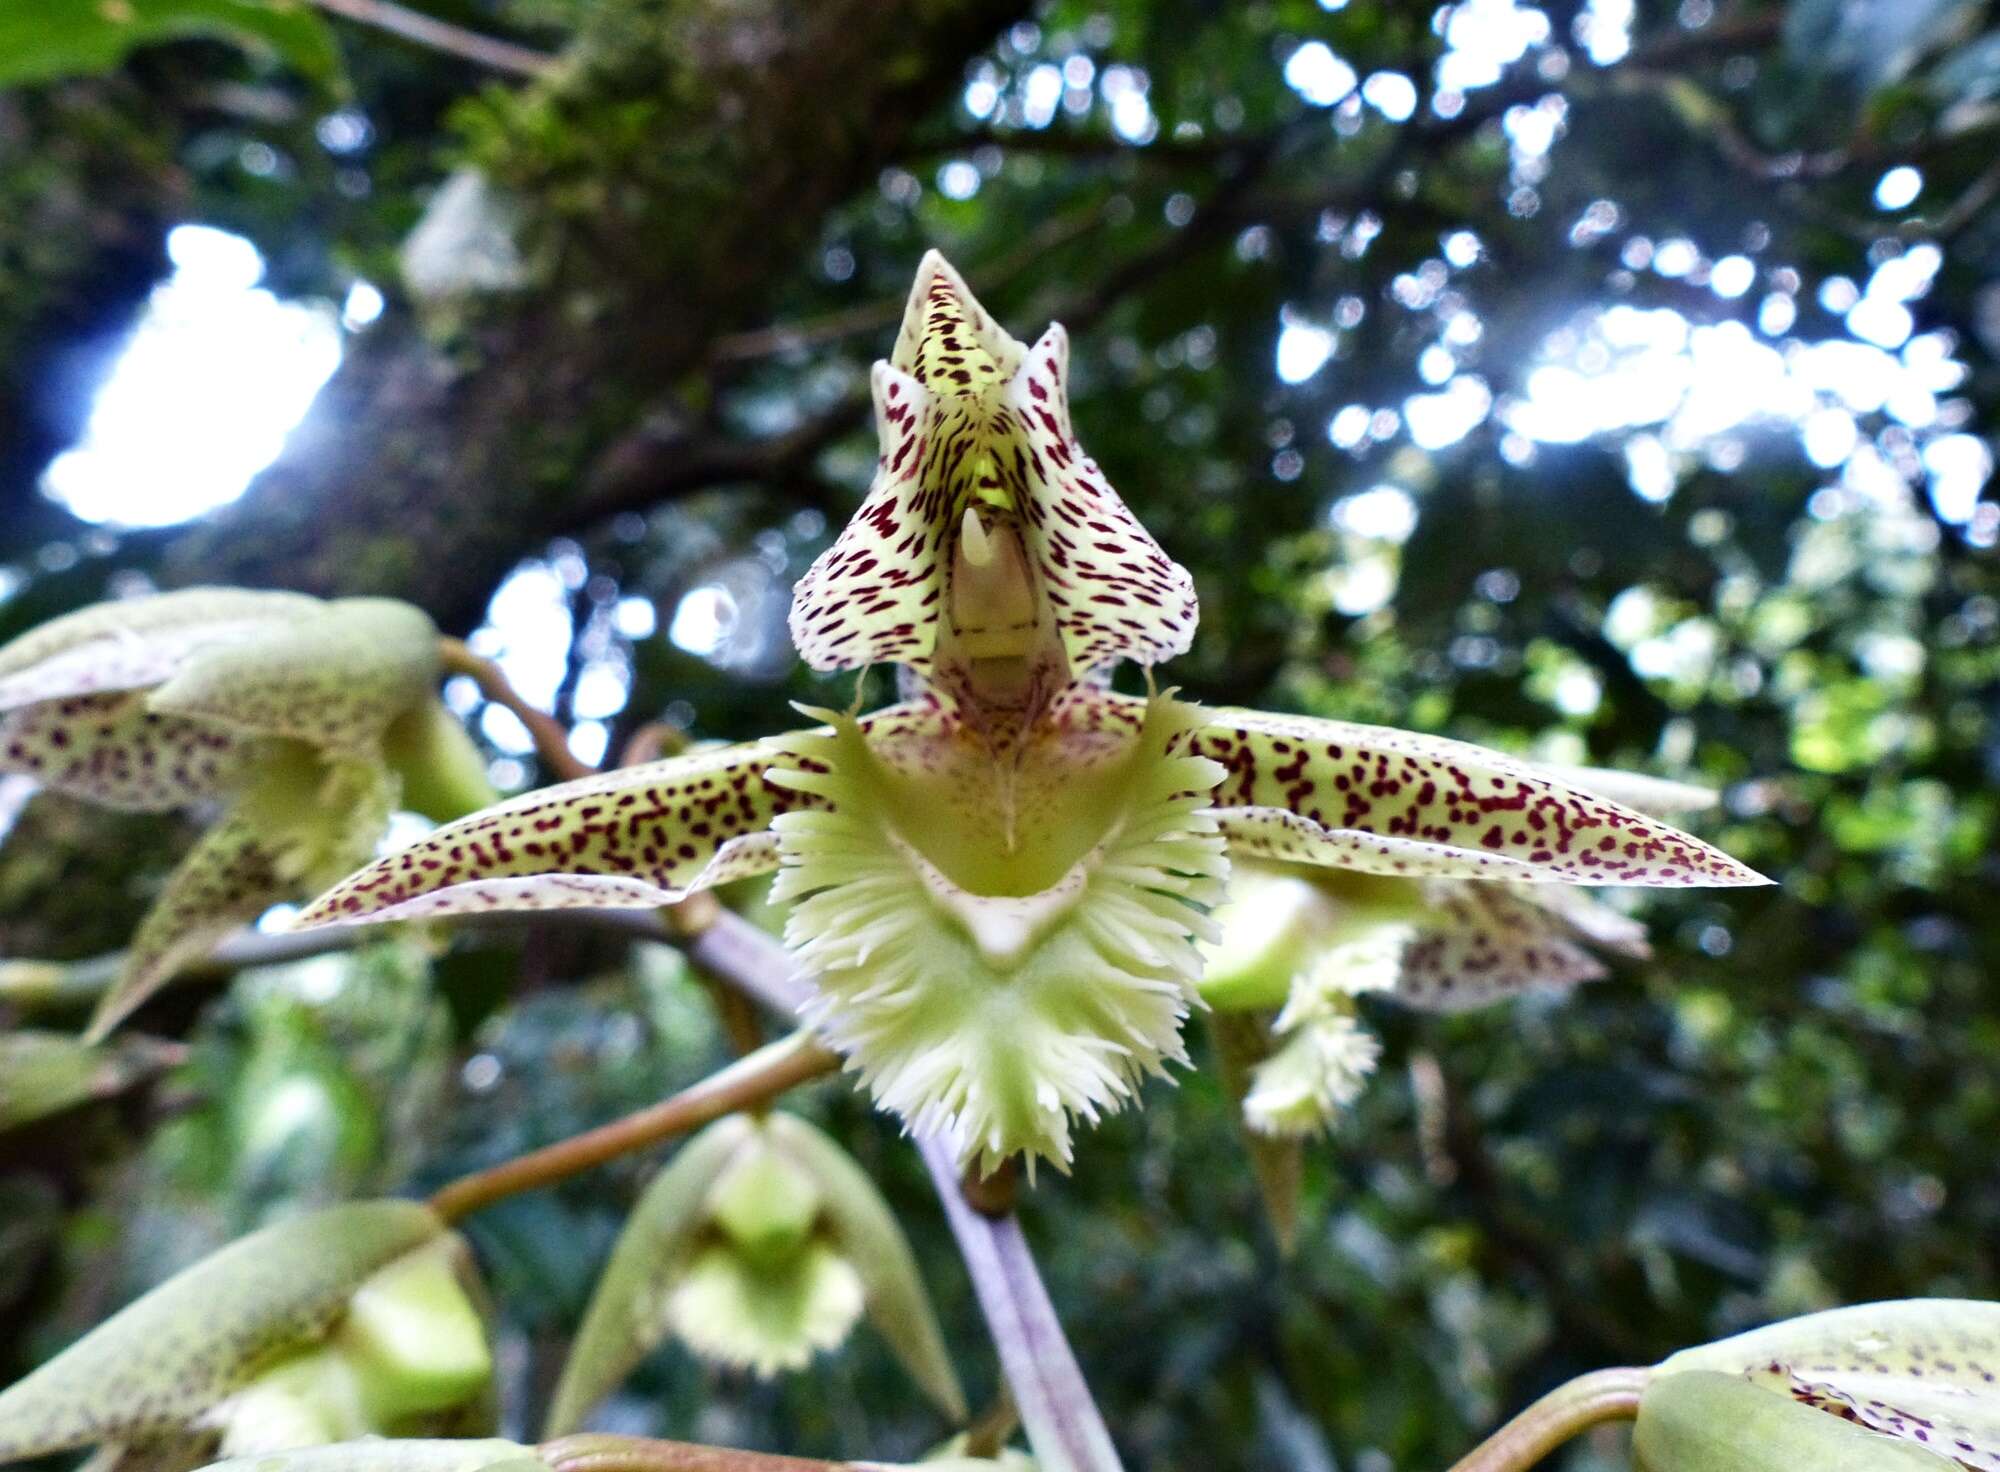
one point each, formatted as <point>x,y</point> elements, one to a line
<point>1793,1105</point>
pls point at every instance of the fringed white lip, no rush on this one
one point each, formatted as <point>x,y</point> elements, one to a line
<point>997,1015</point>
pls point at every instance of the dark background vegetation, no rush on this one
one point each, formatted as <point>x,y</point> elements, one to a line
<point>715,207</point>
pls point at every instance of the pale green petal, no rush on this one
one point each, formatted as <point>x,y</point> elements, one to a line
<point>441,768</point>
<point>1708,1422</point>
<point>130,643</point>
<point>161,1362</point>
<point>627,1314</point>
<point>1483,943</point>
<point>110,749</point>
<point>1923,1369</point>
<point>861,1225</point>
<point>414,1335</point>
<point>1399,802</point>
<point>376,1454</point>
<point>765,1317</point>
<point>633,838</point>
<point>335,680</point>
<point>1002,946</point>
<point>300,823</point>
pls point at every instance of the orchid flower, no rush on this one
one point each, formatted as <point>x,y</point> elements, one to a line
<point>762,1243</point>
<point>305,722</point>
<point>1003,884</point>
<point>1306,942</point>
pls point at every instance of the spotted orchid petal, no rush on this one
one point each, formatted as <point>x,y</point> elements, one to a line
<point>129,644</point>
<point>110,748</point>
<point>336,679</point>
<point>947,341</point>
<point>1706,1421</point>
<point>630,839</point>
<point>1925,1371</point>
<point>1385,801</point>
<point>980,469</point>
<point>1483,943</point>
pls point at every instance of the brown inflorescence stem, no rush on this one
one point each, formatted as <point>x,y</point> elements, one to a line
<point>594,1452</point>
<point>1565,1412</point>
<point>745,1084</point>
<point>551,741</point>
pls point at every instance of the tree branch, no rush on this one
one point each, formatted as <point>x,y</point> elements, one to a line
<point>437,35</point>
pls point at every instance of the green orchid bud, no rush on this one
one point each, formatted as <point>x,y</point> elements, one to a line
<point>759,1245</point>
<point>414,1336</point>
<point>334,1324</point>
<point>278,706</point>
<point>1907,1383</point>
<point>1705,1421</point>
<point>306,1399</point>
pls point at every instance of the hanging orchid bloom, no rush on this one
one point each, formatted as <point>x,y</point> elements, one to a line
<point>762,1244</point>
<point>1003,884</point>
<point>304,721</point>
<point>1306,942</point>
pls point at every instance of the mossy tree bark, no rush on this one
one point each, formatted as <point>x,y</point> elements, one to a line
<point>671,173</point>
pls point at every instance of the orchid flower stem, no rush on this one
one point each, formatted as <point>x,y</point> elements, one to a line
<point>551,741</point>
<point>745,1084</point>
<point>1565,1412</point>
<point>1065,1429</point>
<point>592,1452</point>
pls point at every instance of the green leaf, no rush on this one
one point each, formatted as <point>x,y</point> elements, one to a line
<point>627,1314</point>
<point>865,1229</point>
<point>49,39</point>
<point>1923,1369</point>
<point>1704,1421</point>
<point>377,1455</point>
<point>165,1359</point>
